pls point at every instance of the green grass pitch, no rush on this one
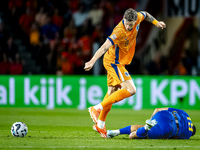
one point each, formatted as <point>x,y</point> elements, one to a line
<point>72,129</point>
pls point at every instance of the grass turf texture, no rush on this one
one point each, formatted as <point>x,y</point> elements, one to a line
<point>72,129</point>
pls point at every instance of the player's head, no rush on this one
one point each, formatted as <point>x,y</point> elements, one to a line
<point>194,130</point>
<point>130,17</point>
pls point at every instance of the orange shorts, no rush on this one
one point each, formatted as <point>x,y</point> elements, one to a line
<point>116,74</point>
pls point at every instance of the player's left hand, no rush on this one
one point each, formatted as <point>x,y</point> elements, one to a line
<point>161,25</point>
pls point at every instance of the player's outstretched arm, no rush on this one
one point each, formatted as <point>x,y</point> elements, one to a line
<point>88,65</point>
<point>151,19</point>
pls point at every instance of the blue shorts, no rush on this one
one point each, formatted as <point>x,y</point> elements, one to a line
<point>166,127</point>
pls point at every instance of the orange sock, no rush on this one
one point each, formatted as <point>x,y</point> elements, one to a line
<point>105,111</point>
<point>115,97</point>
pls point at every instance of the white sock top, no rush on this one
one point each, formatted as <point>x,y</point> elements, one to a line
<point>101,124</point>
<point>98,106</point>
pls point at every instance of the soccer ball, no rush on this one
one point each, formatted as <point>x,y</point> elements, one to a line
<point>19,129</point>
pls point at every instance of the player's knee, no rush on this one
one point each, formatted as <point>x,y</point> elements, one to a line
<point>132,90</point>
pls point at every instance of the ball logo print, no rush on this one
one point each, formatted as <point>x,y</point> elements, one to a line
<point>19,129</point>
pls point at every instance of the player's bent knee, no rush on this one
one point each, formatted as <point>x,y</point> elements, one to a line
<point>132,91</point>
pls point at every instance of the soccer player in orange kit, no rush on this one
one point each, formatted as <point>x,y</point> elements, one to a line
<point>119,49</point>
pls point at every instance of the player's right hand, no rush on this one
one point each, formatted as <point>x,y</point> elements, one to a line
<point>88,65</point>
<point>161,25</point>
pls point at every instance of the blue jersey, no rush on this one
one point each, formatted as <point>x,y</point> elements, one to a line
<point>185,123</point>
<point>167,127</point>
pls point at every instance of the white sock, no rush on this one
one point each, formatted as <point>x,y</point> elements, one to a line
<point>101,124</point>
<point>117,132</point>
<point>98,106</point>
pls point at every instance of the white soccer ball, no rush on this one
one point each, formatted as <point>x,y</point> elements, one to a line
<point>19,129</point>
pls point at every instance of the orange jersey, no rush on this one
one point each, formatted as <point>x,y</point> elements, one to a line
<point>123,42</point>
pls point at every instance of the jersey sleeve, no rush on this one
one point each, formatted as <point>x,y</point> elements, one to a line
<point>141,16</point>
<point>116,36</point>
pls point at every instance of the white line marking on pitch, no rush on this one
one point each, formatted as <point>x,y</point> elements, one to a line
<point>100,147</point>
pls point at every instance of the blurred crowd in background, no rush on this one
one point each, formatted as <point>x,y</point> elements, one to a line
<point>62,35</point>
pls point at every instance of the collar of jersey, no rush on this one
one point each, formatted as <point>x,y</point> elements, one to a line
<point>124,25</point>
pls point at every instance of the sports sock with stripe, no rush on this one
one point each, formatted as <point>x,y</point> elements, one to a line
<point>105,110</point>
<point>115,97</point>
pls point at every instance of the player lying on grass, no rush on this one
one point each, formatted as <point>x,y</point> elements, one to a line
<point>165,123</point>
<point>118,51</point>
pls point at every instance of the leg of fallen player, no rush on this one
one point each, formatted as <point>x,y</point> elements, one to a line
<point>143,131</point>
<point>126,130</point>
